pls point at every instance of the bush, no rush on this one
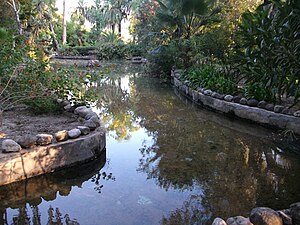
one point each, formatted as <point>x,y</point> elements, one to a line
<point>111,51</point>
<point>41,105</point>
<point>208,76</point>
<point>270,48</point>
<point>162,59</point>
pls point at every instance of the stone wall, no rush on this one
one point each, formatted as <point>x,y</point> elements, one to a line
<point>275,116</point>
<point>44,153</point>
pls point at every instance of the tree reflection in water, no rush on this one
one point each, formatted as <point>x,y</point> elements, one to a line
<point>234,167</point>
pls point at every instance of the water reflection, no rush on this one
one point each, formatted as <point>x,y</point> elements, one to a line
<point>235,166</point>
<point>169,163</point>
<point>26,196</point>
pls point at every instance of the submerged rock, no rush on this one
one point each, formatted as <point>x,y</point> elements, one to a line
<point>44,139</point>
<point>9,145</point>
<point>265,216</point>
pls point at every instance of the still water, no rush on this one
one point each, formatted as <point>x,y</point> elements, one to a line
<point>166,162</point>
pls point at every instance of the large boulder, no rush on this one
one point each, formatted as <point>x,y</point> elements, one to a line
<point>265,216</point>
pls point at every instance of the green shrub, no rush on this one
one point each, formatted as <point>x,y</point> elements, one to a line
<point>257,91</point>
<point>111,51</point>
<point>207,76</point>
<point>41,105</point>
<point>269,50</point>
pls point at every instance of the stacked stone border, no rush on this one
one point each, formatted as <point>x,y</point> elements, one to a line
<point>46,153</point>
<point>265,216</point>
<point>275,116</point>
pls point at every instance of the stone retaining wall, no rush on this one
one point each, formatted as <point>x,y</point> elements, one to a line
<point>45,154</point>
<point>222,104</point>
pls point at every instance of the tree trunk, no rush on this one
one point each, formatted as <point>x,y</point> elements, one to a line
<point>113,28</point>
<point>64,35</point>
<point>54,37</point>
<point>120,28</point>
<point>16,11</point>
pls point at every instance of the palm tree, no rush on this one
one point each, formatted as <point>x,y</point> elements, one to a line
<point>185,17</point>
<point>116,11</point>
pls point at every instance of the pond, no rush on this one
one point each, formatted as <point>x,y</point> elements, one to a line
<point>166,162</point>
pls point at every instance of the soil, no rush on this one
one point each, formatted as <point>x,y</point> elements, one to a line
<point>21,122</point>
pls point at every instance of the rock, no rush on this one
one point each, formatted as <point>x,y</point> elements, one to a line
<point>286,110</point>
<point>90,124</point>
<point>82,111</point>
<point>252,102</point>
<point>217,95</point>
<point>96,120</point>
<point>9,145</point>
<point>200,89</point>
<point>84,130</point>
<point>228,98</point>
<point>270,107</point>
<point>90,114</point>
<point>262,104</point>
<point>236,99</point>
<point>285,216</point>
<point>297,113</point>
<point>68,107</point>
<point>219,221</point>
<point>61,135</point>
<point>238,220</point>
<point>278,108</point>
<point>265,216</point>
<point>27,141</point>
<point>243,101</point>
<point>74,133</point>
<point>295,213</point>
<point>207,92</point>
<point>44,139</point>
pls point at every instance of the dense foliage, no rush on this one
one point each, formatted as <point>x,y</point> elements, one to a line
<point>270,40</point>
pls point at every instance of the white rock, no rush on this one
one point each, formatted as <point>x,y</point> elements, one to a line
<point>219,221</point>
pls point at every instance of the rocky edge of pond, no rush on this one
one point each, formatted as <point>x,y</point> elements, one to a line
<point>260,112</point>
<point>265,216</point>
<point>91,123</point>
